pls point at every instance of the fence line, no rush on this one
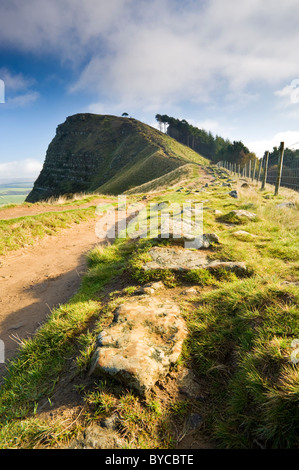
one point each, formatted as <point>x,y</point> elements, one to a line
<point>279,175</point>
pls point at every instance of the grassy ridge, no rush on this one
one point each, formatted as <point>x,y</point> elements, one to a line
<point>239,343</point>
<point>114,155</point>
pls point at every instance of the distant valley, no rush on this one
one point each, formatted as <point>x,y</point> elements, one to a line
<point>14,192</point>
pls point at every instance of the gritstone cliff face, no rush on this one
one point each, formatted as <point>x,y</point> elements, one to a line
<point>106,154</point>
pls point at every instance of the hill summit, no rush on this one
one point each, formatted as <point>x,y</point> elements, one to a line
<point>108,155</point>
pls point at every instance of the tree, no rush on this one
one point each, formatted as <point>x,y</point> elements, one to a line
<point>125,114</point>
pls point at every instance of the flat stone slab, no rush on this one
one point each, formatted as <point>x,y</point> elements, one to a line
<point>182,259</point>
<point>143,342</point>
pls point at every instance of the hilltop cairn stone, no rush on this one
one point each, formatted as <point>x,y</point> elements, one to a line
<point>141,345</point>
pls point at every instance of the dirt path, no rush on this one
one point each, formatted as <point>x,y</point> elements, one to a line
<point>36,279</point>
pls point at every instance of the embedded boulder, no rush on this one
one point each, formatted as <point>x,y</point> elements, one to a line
<point>143,342</point>
<point>182,259</point>
<point>238,216</point>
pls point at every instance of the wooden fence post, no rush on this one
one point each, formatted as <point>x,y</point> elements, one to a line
<point>260,170</point>
<point>279,169</point>
<point>265,170</point>
<point>254,170</point>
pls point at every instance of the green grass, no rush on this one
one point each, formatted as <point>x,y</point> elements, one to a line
<point>239,342</point>
<point>12,199</point>
<point>17,233</point>
<point>11,194</point>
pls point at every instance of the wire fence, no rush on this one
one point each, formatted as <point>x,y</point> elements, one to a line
<point>283,174</point>
<point>289,176</point>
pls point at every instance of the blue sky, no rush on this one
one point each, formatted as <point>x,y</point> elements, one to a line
<point>227,66</point>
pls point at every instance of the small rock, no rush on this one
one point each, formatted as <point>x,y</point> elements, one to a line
<point>194,421</point>
<point>217,212</point>
<point>239,216</point>
<point>111,422</point>
<point>155,285</point>
<point>234,194</point>
<point>95,437</point>
<point>228,185</point>
<point>245,185</point>
<point>17,326</point>
<point>191,290</point>
<point>286,204</point>
<point>242,233</point>
<point>236,267</point>
<point>149,289</point>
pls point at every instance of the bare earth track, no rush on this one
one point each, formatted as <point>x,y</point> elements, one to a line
<point>36,279</point>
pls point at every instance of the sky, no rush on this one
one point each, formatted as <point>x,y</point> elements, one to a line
<point>230,67</point>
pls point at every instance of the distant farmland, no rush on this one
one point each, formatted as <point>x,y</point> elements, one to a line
<point>14,193</point>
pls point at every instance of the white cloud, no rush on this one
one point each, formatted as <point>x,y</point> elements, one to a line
<point>17,89</point>
<point>261,146</point>
<point>191,54</point>
<point>15,82</point>
<point>154,52</point>
<point>28,168</point>
<point>22,100</point>
<point>148,54</point>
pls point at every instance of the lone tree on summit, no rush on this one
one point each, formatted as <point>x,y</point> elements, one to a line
<point>125,114</point>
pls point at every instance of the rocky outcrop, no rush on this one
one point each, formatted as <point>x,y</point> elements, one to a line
<point>143,342</point>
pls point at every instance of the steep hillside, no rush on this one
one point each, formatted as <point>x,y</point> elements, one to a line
<point>106,154</point>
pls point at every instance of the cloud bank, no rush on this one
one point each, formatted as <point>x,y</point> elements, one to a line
<point>28,168</point>
<point>136,52</point>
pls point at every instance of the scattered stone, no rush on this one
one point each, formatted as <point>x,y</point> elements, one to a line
<point>286,204</point>
<point>217,212</point>
<point>142,344</point>
<point>150,288</point>
<point>243,233</point>
<point>95,437</point>
<point>17,326</point>
<point>111,423</point>
<point>188,385</point>
<point>191,290</point>
<point>239,216</point>
<point>228,185</point>
<point>234,194</point>
<point>291,283</point>
<point>233,266</point>
<point>245,185</point>
<point>194,421</point>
